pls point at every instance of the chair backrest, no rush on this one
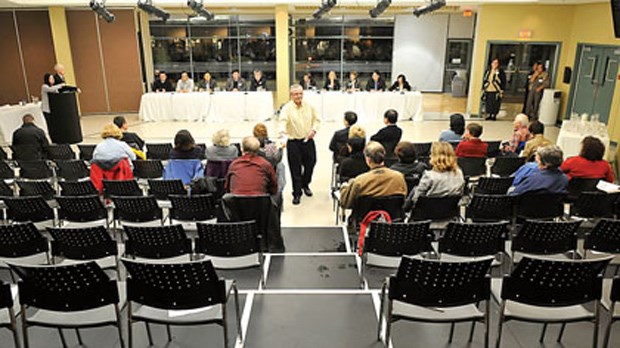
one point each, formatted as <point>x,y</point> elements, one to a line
<point>217,169</point>
<point>158,151</point>
<point>5,189</point>
<point>540,205</point>
<point>391,204</point>
<point>6,172</point>
<point>426,282</point>
<point>19,240</point>
<point>27,152</point>
<point>36,188</point>
<point>422,149</point>
<point>3,155</point>
<point>579,185</point>
<point>82,243</point>
<point>493,149</point>
<point>157,242</point>
<point>161,189</point>
<point>60,152</point>
<point>34,170</point>
<point>81,208</point>
<point>126,188</point>
<point>77,188</point>
<point>174,286</point>
<point>490,207</point>
<point>67,288</point>
<point>493,185</point>
<point>192,208</point>
<point>71,170</point>
<point>250,208</point>
<point>546,237</point>
<point>136,209</point>
<point>506,166</point>
<point>148,169</point>
<point>436,208</point>
<point>185,170</point>
<point>203,149</point>
<point>24,209</point>
<point>555,283</point>
<point>86,151</point>
<point>473,239</point>
<point>472,166</point>
<point>399,239</point>
<point>604,237</point>
<point>592,205</point>
<point>614,296</point>
<point>228,239</point>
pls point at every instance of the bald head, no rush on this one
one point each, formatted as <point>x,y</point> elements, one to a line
<point>250,145</point>
<point>59,68</point>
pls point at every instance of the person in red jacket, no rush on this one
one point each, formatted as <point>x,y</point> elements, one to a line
<point>590,163</point>
<point>472,146</point>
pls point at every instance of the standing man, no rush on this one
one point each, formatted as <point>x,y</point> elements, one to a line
<point>299,121</point>
<point>59,76</point>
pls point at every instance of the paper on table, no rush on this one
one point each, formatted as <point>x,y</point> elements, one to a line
<point>607,187</point>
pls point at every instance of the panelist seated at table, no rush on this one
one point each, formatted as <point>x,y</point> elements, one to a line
<point>401,84</point>
<point>236,83</point>
<point>207,84</point>
<point>258,82</point>
<point>162,84</point>
<point>307,82</point>
<point>376,83</point>
<point>185,84</point>
<point>332,83</point>
<point>354,84</point>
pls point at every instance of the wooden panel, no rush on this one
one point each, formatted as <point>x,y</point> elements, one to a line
<point>37,47</point>
<point>13,88</point>
<point>87,61</point>
<point>122,61</point>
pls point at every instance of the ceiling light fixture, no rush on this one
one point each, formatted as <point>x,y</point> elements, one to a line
<point>200,9</point>
<point>326,6</point>
<point>102,11</point>
<point>433,6</point>
<point>382,5</point>
<point>147,6</point>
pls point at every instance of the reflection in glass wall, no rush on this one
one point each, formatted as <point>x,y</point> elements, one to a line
<point>219,46</point>
<point>342,44</point>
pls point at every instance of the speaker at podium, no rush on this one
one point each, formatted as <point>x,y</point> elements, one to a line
<point>64,123</point>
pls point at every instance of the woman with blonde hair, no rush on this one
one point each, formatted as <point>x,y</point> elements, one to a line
<point>221,150</point>
<point>357,131</point>
<point>112,150</point>
<point>445,179</point>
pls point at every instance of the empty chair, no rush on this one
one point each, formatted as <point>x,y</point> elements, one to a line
<point>7,305</point>
<point>86,151</point>
<point>158,151</point>
<point>391,204</point>
<point>41,188</point>
<point>84,244</point>
<point>82,209</point>
<point>506,166</point>
<point>472,166</point>
<point>34,170</point>
<point>137,210</point>
<point>23,244</point>
<point>71,170</point>
<point>493,149</point>
<point>158,242</point>
<point>192,208</point>
<point>603,238</point>
<point>121,188</point>
<point>422,149</point>
<point>6,171</point>
<point>540,206</point>
<point>230,244</point>
<point>260,209</point>
<point>490,208</point>
<point>60,152</point>
<point>162,291</point>
<point>148,169</point>
<point>58,296</point>
<point>77,188</point>
<point>28,209</point>
<point>547,238</point>
<point>493,185</point>
<point>551,291</point>
<point>579,185</point>
<point>3,154</point>
<point>611,296</point>
<point>436,292</point>
<point>594,205</point>
<point>436,208</point>
<point>161,189</point>
<point>6,189</point>
<point>472,240</point>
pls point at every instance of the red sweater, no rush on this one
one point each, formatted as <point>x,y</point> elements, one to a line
<point>472,148</point>
<point>251,175</point>
<point>579,167</point>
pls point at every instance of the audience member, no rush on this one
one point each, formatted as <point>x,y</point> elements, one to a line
<point>130,138</point>
<point>332,83</point>
<point>307,82</point>
<point>185,147</point>
<point>185,84</point>
<point>357,131</point>
<point>445,179</point>
<point>340,137</point>
<point>355,163</point>
<point>258,81</point>
<point>407,163</point>
<point>537,130</point>
<point>519,137</point>
<point>162,84</point>
<point>236,83</point>
<point>549,178</point>
<point>400,85</point>
<point>457,128</point>
<point>207,84</point>
<point>353,85</point>
<point>29,141</point>
<point>112,150</point>
<point>524,171</point>
<point>538,82</point>
<point>590,163</point>
<point>48,87</point>
<point>472,146</point>
<point>221,150</point>
<point>376,83</point>
<point>251,174</point>
<point>272,153</point>
<point>378,182</point>
<point>389,135</point>
<point>185,159</point>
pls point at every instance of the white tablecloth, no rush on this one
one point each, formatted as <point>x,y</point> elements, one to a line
<point>369,106</point>
<point>570,141</point>
<point>11,118</point>
<point>202,106</point>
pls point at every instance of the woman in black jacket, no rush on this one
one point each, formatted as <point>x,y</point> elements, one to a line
<point>401,84</point>
<point>493,86</point>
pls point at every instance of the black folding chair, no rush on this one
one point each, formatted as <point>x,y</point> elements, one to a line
<point>473,240</point>
<point>6,171</point>
<point>604,238</point>
<point>28,209</point>
<point>124,188</point>
<point>162,189</point>
<point>422,149</point>
<point>506,166</point>
<point>493,185</point>
<point>260,209</point>
<point>594,205</point>
<point>192,208</point>
<point>472,166</point>
<point>136,209</point>
<point>490,208</point>
<point>436,208</point>
<point>493,149</point>
<point>157,242</point>
<point>148,169</point>
<point>84,244</point>
<point>23,244</point>
<point>60,152</point>
<point>391,204</point>
<point>71,170</point>
<point>158,151</point>
<point>540,206</point>
<point>86,151</point>
<point>34,170</point>
<point>579,185</point>
<point>6,303</point>
<point>3,155</point>
<point>77,188</point>
<point>545,238</point>
<point>43,188</point>
<point>6,189</point>
<point>609,304</point>
<point>82,209</point>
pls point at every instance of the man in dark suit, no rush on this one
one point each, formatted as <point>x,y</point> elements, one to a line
<point>376,83</point>
<point>162,84</point>
<point>130,138</point>
<point>258,82</point>
<point>390,135</point>
<point>59,76</point>
<point>341,136</point>
<point>29,141</point>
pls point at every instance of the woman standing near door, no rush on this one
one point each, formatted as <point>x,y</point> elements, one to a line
<point>538,82</point>
<point>493,89</point>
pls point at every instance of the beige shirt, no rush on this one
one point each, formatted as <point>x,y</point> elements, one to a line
<point>298,121</point>
<point>491,86</point>
<point>378,182</point>
<point>532,145</point>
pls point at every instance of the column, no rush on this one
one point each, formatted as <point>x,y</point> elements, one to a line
<point>62,44</point>
<point>282,55</point>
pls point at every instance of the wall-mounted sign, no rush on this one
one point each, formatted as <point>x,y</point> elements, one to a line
<point>525,34</point>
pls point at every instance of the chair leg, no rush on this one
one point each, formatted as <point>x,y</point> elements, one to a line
<point>62,338</point>
<point>24,326</point>
<point>238,313</point>
<point>225,325</point>
<point>169,333</point>
<point>148,333</point>
<point>119,325</point>
<point>542,334</point>
<point>561,332</point>
<point>79,337</point>
<point>596,324</point>
<point>388,324</point>
<point>381,307</point>
<point>129,329</point>
<point>472,329</point>
<point>14,327</point>
<point>608,328</point>
<point>500,324</point>
<point>487,322</point>
<point>452,325</point>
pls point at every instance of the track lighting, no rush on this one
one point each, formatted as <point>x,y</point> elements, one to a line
<point>147,6</point>
<point>200,10</point>
<point>103,12</point>
<point>382,5</point>
<point>326,6</point>
<point>433,6</point>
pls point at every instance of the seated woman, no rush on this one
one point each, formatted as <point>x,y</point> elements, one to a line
<point>272,153</point>
<point>220,154</point>
<point>355,131</point>
<point>590,163</point>
<point>185,146</point>
<point>112,158</point>
<point>457,128</point>
<point>400,85</point>
<point>185,157</point>
<point>445,179</point>
<point>519,137</point>
<point>355,164</point>
<point>549,178</point>
<point>407,163</point>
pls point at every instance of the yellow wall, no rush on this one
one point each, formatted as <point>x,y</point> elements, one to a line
<point>282,55</point>
<point>62,46</point>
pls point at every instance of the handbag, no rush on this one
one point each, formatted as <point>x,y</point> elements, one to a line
<point>203,185</point>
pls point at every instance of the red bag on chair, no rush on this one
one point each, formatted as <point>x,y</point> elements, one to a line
<point>370,217</point>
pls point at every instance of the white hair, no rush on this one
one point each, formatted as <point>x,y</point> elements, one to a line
<point>296,86</point>
<point>522,119</point>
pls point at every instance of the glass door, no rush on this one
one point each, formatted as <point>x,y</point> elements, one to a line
<point>458,60</point>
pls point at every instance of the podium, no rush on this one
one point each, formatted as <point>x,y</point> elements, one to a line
<point>64,122</point>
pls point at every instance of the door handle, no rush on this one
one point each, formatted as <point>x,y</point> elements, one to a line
<point>592,68</point>
<point>606,77</point>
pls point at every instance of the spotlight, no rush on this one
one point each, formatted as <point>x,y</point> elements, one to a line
<point>103,12</point>
<point>200,10</point>
<point>433,6</point>
<point>326,6</point>
<point>382,5</point>
<point>147,6</point>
